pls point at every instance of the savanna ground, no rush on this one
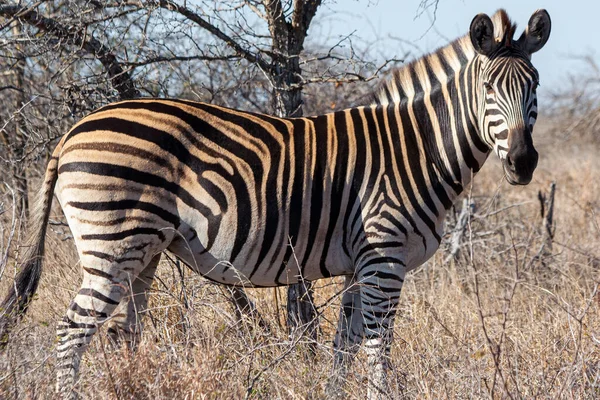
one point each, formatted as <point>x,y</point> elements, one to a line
<point>505,318</point>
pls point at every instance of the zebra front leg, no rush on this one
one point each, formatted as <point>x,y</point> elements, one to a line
<point>95,302</point>
<point>380,281</point>
<point>125,326</point>
<point>348,338</point>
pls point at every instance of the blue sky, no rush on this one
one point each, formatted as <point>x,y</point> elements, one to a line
<point>575,27</point>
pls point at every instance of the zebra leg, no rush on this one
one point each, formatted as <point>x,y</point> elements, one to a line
<point>125,326</point>
<point>96,300</point>
<point>381,282</point>
<point>102,289</point>
<point>348,338</point>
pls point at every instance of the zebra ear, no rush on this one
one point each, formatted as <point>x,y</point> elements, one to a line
<point>482,34</point>
<point>537,33</point>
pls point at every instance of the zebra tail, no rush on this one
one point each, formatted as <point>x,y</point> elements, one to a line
<point>22,291</point>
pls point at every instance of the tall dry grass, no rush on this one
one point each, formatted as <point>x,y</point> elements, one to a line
<point>505,318</point>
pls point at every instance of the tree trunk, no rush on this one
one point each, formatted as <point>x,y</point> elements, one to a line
<point>288,40</point>
<point>17,145</point>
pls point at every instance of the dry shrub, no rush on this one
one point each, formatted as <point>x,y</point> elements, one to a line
<point>574,110</point>
<point>504,318</point>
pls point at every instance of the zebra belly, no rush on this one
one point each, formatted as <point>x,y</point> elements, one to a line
<point>280,267</point>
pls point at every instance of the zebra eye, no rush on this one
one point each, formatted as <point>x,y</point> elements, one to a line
<point>488,88</point>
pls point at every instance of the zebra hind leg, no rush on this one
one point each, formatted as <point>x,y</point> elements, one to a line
<point>93,304</point>
<point>125,327</point>
<point>347,340</point>
<point>101,293</point>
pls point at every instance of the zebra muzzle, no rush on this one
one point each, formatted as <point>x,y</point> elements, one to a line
<point>521,160</point>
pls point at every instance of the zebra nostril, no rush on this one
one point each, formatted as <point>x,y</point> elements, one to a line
<point>509,163</point>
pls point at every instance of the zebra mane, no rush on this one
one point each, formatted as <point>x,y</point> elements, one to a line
<point>399,85</point>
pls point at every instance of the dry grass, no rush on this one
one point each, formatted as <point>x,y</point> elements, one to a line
<point>502,320</point>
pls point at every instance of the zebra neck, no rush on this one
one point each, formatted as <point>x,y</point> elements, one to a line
<point>465,97</point>
<point>440,128</point>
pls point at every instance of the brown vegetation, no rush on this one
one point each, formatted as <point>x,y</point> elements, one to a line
<point>505,318</point>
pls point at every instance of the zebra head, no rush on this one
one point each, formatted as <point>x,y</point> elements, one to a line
<point>506,84</point>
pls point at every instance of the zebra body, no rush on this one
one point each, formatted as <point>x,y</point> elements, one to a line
<point>254,200</point>
<point>248,244</point>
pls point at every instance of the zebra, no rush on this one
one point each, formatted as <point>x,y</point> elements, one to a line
<point>239,196</point>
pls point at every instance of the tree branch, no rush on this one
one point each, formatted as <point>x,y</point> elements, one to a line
<point>197,19</point>
<point>347,77</point>
<point>159,59</point>
<point>304,11</point>
<point>120,78</point>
